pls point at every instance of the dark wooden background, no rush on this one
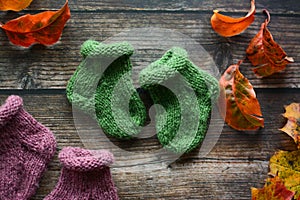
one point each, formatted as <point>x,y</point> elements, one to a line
<point>237,162</point>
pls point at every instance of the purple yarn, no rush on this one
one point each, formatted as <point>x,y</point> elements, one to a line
<point>26,147</point>
<point>85,175</point>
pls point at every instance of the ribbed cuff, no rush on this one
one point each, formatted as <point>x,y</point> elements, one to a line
<point>82,160</point>
<point>115,50</point>
<point>165,68</point>
<point>10,108</point>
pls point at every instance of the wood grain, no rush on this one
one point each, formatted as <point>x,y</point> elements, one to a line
<point>242,6</point>
<point>51,67</point>
<point>238,161</point>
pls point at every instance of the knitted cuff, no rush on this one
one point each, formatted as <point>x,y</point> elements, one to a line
<point>85,175</point>
<point>182,123</point>
<point>82,160</point>
<point>170,65</point>
<point>9,109</point>
<point>115,50</point>
<point>176,62</point>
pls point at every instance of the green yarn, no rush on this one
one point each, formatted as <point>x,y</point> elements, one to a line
<point>102,85</point>
<point>183,94</point>
<point>172,81</point>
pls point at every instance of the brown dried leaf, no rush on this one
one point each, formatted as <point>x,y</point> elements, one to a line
<point>265,54</point>
<point>242,107</point>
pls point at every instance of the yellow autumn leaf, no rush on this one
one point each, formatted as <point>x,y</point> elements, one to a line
<point>286,165</point>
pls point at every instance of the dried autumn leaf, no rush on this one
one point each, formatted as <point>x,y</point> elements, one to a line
<point>14,5</point>
<point>286,165</point>
<point>292,127</point>
<point>242,107</point>
<point>274,189</point>
<point>265,54</point>
<point>43,28</point>
<point>228,26</point>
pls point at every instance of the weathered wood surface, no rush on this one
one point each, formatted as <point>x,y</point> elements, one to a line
<point>51,67</point>
<point>275,6</point>
<point>237,162</point>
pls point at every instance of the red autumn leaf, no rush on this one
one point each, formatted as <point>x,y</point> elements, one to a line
<point>292,127</point>
<point>15,5</point>
<point>43,28</point>
<point>228,26</point>
<point>274,189</point>
<point>265,54</point>
<point>242,109</point>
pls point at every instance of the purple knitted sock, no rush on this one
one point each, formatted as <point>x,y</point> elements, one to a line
<point>26,147</point>
<point>85,176</point>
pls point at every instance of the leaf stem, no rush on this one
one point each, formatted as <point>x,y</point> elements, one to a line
<point>268,15</point>
<point>240,62</point>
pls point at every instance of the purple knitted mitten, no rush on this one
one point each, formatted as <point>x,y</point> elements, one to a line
<point>26,147</point>
<point>85,176</point>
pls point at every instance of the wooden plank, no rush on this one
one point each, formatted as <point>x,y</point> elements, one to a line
<point>205,180</point>
<point>51,67</point>
<point>237,162</point>
<point>242,6</point>
<point>258,145</point>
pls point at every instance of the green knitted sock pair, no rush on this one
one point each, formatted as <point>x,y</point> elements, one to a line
<point>182,93</point>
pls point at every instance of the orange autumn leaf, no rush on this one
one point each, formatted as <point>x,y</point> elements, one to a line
<point>242,109</point>
<point>228,26</point>
<point>14,5</point>
<point>274,189</point>
<point>43,28</point>
<point>292,127</point>
<point>265,54</point>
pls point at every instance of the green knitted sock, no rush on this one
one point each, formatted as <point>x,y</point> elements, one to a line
<point>102,85</point>
<point>183,95</point>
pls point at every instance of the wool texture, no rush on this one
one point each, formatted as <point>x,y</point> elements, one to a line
<point>103,88</point>
<point>164,80</point>
<point>85,175</point>
<point>26,147</point>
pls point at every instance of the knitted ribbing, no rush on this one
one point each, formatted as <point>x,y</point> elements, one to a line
<point>26,147</point>
<point>85,175</point>
<point>95,88</point>
<point>172,67</point>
